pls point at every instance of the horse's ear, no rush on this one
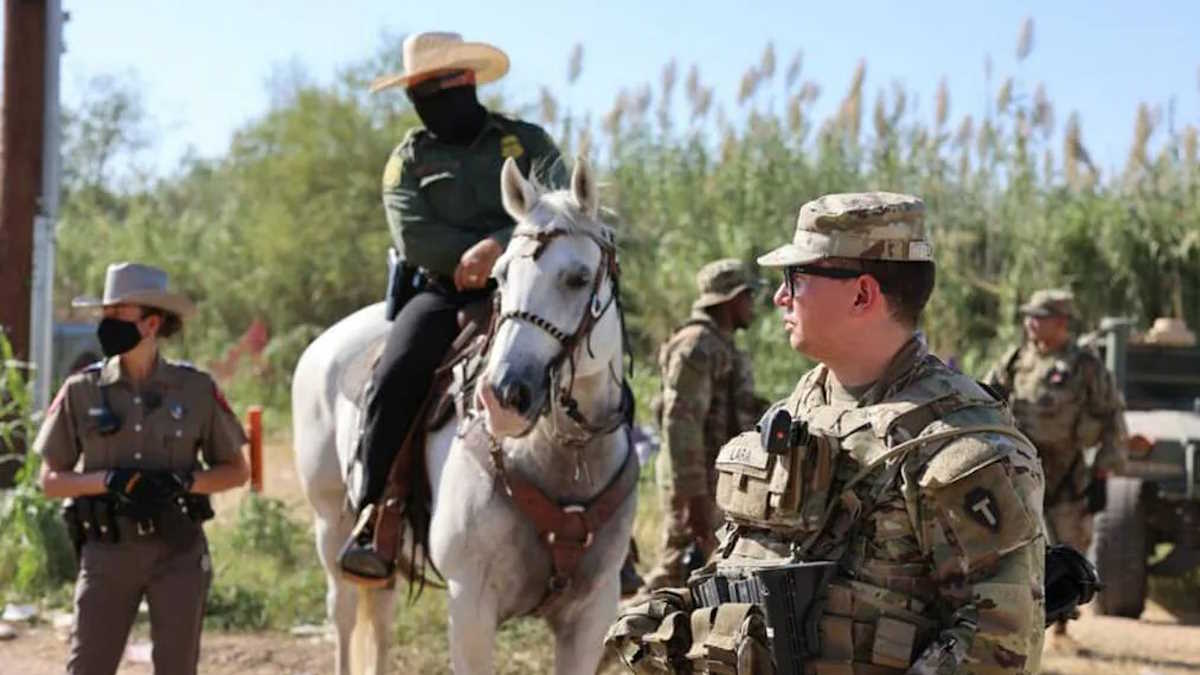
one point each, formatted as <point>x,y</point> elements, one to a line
<point>517,193</point>
<point>583,187</point>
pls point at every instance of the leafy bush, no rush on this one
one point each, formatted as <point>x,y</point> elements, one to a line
<point>36,554</point>
<point>287,226</point>
<point>264,526</point>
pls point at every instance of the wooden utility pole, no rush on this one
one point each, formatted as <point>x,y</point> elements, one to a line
<point>21,137</point>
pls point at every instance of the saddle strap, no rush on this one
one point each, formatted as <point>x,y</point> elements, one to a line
<point>569,531</point>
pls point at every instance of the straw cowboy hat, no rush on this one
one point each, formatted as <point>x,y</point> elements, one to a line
<point>428,53</point>
<point>134,284</point>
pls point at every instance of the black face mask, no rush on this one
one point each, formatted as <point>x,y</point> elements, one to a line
<point>117,336</point>
<point>452,115</point>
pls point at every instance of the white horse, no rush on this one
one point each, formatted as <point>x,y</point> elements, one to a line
<point>553,432</point>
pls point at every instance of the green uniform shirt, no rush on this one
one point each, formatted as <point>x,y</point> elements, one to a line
<point>441,199</point>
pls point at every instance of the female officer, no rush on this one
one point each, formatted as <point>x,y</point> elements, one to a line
<point>135,441</point>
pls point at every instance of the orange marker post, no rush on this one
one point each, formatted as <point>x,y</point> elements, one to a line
<point>254,422</point>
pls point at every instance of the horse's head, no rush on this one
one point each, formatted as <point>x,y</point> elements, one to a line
<point>559,319</point>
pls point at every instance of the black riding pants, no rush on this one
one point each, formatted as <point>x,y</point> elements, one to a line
<point>421,334</point>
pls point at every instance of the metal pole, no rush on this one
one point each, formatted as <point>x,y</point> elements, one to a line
<point>41,319</point>
<point>21,165</point>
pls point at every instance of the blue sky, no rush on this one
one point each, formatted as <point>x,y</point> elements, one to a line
<point>203,65</point>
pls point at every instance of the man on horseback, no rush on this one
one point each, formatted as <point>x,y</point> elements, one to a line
<point>441,193</point>
<point>708,397</point>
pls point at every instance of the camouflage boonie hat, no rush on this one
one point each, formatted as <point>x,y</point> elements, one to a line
<point>721,281</point>
<point>863,225</point>
<point>1050,302</point>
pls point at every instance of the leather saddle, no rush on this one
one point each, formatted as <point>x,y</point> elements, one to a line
<point>407,497</point>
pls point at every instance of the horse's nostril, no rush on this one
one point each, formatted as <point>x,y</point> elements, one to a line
<point>516,395</point>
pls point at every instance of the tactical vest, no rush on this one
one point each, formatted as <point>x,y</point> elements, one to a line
<point>808,503</point>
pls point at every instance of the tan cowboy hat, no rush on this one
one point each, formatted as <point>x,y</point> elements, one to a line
<point>426,53</point>
<point>134,284</point>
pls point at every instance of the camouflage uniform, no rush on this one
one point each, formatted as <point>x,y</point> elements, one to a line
<point>1064,401</point>
<point>708,397</point>
<point>919,494</point>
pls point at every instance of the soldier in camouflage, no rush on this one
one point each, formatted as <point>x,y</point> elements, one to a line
<point>1065,401</point>
<point>441,193</point>
<point>888,516</point>
<point>707,398</point>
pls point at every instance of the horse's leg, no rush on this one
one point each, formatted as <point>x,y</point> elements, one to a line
<point>472,629</point>
<point>579,641</point>
<point>382,611</point>
<point>341,597</point>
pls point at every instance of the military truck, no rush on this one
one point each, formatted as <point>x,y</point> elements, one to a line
<point>1150,524</point>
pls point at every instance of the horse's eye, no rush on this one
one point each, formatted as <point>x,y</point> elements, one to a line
<point>577,281</point>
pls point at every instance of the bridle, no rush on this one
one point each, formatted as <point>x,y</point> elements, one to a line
<point>560,395</point>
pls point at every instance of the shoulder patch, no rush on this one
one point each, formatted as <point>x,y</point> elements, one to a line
<point>980,504</point>
<point>58,399</point>
<point>220,397</point>
<point>510,146</point>
<point>392,171</point>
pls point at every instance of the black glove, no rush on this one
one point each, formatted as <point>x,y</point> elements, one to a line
<point>1071,582</point>
<point>172,483</point>
<point>146,488</point>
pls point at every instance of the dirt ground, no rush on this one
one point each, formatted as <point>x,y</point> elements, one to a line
<point>1158,644</point>
<point>1155,645</point>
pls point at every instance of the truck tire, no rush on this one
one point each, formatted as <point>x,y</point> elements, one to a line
<point>1120,551</point>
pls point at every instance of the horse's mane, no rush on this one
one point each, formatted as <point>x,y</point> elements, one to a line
<point>558,209</point>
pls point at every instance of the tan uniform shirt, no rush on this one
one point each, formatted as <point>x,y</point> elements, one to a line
<point>170,421</point>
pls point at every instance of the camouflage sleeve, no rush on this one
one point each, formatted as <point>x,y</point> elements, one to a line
<point>982,526</point>
<point>421,237</point>
<point>58,440</point>
<point>1106,409</point>
<point>998,377</point>
<point>687,396</point>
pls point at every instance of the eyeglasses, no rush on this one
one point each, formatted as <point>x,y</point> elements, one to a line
<point>791,272</point>
<point>436,83</point>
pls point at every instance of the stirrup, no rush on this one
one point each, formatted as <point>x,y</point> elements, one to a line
<point>359,561</point>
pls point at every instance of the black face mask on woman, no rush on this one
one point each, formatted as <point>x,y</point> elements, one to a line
<point>117,336</point>
<point>452,115</point>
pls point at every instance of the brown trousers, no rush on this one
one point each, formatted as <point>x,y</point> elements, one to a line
<point>113,579</point>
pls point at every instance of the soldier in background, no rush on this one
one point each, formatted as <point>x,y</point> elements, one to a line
<point>893,489</point>
<point>708,397</point>
<point>1064,400</point>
